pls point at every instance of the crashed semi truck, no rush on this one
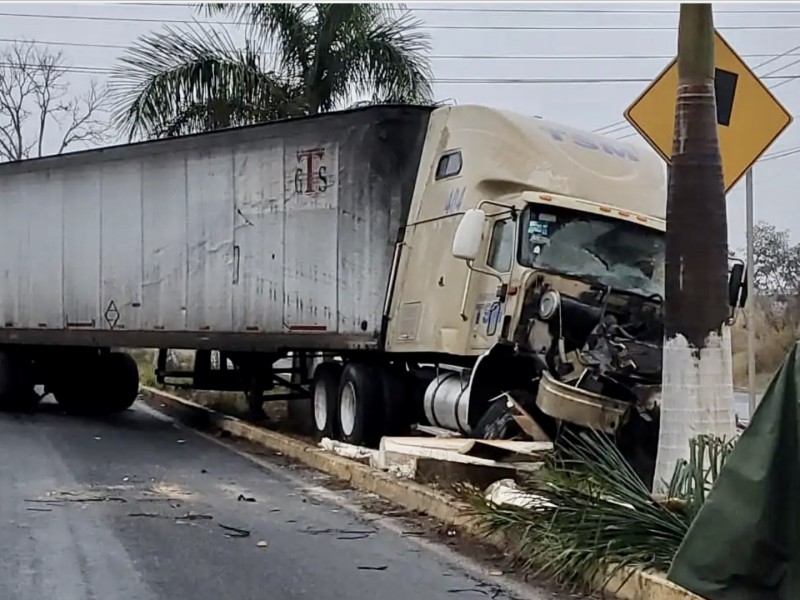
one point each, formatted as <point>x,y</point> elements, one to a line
<point>414,262</point>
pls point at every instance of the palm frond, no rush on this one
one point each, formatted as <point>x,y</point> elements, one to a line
<point>283,28</point>
<point>386,55</point>
<point>590,512</point>
<point>163,74</point>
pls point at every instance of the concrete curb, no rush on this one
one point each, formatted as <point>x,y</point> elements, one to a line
<point>627,584</point>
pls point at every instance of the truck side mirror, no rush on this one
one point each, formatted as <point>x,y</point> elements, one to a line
<point>467,240</point>
<point>737,288</point>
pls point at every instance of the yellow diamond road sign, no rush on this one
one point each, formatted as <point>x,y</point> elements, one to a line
<point>749,117</point>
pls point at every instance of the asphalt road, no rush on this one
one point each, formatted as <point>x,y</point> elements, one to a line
<point>136,508</point>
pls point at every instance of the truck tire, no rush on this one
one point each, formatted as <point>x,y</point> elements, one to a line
<point>121,378</point>
<point>498,423</point>
<point>397,411</point>
<point>361,405</point>
<point>16,384</point>
<point>324,394</point>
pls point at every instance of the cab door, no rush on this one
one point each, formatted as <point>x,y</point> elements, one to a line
<point>490,301</point>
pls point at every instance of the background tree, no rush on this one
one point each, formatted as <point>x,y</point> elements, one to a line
<point>38,115</point>
<point>777,261</point>
<point>298,59</point>
<point>697,382</point>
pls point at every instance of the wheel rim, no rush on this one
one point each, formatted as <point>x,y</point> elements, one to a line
<point>320,407</point>
<point>347,408</point>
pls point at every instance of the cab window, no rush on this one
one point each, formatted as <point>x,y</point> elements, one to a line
<point>501,246</point>
<point>449,165</point>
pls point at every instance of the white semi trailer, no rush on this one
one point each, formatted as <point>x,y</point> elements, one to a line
<point>428,259</point>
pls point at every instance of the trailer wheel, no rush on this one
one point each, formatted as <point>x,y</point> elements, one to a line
<point>115,389</point>
<point>325,400</point>
<point>16,384</point>
<point>121,378</point>
<point>361,413</point>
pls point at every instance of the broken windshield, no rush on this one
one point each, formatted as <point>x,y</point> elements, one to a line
<point>606,251</point>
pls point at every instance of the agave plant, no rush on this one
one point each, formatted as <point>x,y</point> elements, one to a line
<point>590,515</point>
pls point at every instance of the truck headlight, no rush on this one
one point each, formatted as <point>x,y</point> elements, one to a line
<point>549,304</point>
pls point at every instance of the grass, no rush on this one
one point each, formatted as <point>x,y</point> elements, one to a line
<point>774,336</point>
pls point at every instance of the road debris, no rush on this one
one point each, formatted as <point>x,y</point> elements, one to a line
<point>369,568</point>
<point>357,453</point>
<point>243,498</point>
<point>190,516</point>
<point>234,532</point>
<point>359,536</point>
<point>339,531</point>
<point>506,492</point>
<point>58,501</point>
<point>262,544</point>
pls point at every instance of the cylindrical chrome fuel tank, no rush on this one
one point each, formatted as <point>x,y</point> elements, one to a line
<point>446,401</point>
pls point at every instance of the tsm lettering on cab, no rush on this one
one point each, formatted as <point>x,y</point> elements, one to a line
<point>597,144</point>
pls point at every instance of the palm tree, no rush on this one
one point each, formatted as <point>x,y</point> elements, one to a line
<point>697,386</point>
<point>298,59</point>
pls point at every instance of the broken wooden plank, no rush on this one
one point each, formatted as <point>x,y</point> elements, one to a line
<point>437,432</point>
<point>527,423</point>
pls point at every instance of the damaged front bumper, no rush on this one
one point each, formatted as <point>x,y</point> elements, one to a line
<point>583,408</point>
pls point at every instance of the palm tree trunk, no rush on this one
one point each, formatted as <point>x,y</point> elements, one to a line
<point>697,395</point>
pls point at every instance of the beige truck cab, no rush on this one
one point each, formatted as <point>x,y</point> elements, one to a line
<point>532,248</point>
<point>485,169</point>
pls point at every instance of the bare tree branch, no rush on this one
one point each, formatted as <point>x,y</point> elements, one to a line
<point>35,101</point>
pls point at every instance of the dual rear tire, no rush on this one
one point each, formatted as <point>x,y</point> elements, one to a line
<point>358,403</point>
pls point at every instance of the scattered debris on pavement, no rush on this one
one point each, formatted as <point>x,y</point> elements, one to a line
<point>234,532</point>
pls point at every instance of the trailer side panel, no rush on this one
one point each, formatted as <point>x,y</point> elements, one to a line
<point>240,239</point>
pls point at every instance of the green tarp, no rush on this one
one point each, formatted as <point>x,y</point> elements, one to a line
<point>745,542</point>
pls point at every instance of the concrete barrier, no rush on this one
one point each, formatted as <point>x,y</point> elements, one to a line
<point>626,584</point>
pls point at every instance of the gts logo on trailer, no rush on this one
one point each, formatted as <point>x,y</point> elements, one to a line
<point>596,144</point>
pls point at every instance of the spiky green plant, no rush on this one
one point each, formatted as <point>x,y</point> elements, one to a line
<point>591,514</point>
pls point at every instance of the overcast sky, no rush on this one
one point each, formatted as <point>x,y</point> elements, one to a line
<point>513,42</point>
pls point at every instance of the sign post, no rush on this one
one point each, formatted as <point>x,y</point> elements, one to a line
<point>750,308</point>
